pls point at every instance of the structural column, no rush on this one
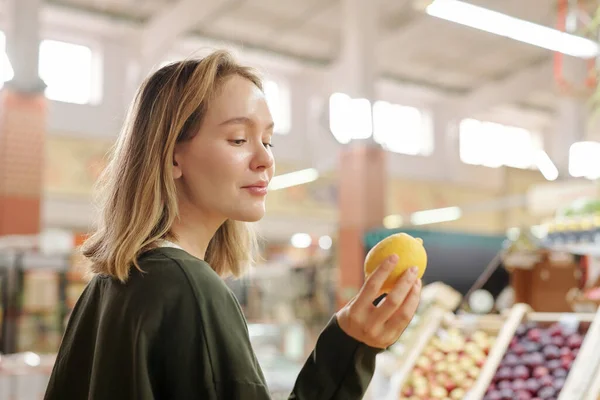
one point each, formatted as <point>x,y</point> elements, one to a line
<point>572,111</point>
<point>362,163</point>
<point>446,149</point>
<point>22,124</point>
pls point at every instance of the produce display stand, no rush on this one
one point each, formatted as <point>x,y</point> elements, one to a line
<point>582,381</point>
<point>493,325</point>
<point>584,366</point>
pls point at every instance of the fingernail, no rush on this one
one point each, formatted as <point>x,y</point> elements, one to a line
<point>413,270</point>
<point>394,258</point>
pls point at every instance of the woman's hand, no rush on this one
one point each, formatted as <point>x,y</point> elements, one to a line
<point>381,325</point>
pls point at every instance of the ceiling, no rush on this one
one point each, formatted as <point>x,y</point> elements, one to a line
<point>413,46</point>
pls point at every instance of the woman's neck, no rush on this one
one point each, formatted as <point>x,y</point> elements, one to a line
<point>194,233</point>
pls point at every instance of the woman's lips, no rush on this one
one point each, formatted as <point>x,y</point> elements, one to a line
<point>257,190</point>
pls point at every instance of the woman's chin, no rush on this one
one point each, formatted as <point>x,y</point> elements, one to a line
<point>253,216</point>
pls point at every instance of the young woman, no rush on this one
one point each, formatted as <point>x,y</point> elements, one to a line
<point>190,168</point>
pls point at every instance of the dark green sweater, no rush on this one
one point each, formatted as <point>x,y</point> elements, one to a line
<point>177,332</point>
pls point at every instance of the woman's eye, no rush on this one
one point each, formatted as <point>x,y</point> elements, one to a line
<point>238,141</point>
<point>267,145</point>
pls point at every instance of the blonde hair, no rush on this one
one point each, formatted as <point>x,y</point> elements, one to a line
<point>137,193</point>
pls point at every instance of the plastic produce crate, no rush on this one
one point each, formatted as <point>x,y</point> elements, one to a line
<point>543,355</point>
<point>450,355</point>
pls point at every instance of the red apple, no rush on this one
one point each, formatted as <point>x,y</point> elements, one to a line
<point>450,385</point>
<point>437,356</point>
<point>421,391</point>
<point>438,392</point>
<point>457,394</point>
<point>467,383</point>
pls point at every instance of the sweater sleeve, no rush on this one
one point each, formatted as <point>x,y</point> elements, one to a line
<point>338,368</point>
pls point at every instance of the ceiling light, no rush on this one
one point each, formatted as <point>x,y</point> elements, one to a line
<point>435,216</point>
<point>301,240</point>
<point>513,28</point>
<point>31,359</point>
<point>583,160</point>
<point>393,221</point>
<point>350,118</point>
<point>546,166</point>
<point>325,242</point>
<point>294,178</point>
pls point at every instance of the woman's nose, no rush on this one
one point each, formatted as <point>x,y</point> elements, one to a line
<point>263,158</point>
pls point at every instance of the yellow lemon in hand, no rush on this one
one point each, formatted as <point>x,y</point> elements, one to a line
<point>410,251</point>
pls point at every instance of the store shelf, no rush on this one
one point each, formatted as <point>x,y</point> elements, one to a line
<point>591,249</point>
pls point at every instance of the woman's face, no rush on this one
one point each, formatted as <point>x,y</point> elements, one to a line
<point>223,171</point>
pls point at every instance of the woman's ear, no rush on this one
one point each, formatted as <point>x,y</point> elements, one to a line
<point>177,171</point>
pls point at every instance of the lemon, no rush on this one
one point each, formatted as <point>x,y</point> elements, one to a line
<point>410,251</point>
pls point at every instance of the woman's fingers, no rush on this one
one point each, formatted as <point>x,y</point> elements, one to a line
<point>395,299</point>
<point>398,321</point>
<point>380,326</point>
<point>372,287</point>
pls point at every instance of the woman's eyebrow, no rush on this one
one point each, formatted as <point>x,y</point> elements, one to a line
<point>245,121</point>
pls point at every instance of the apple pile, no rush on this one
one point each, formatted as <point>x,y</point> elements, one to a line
<point>448,366</point>
<point>536,364</point>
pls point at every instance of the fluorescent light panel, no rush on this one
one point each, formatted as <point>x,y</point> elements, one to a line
<point>583,160</point>
<point>546,166</point>
<point>500,24</point>
<point>436,215</point>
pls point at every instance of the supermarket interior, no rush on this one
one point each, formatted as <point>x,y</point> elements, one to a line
<point>473,125</point>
